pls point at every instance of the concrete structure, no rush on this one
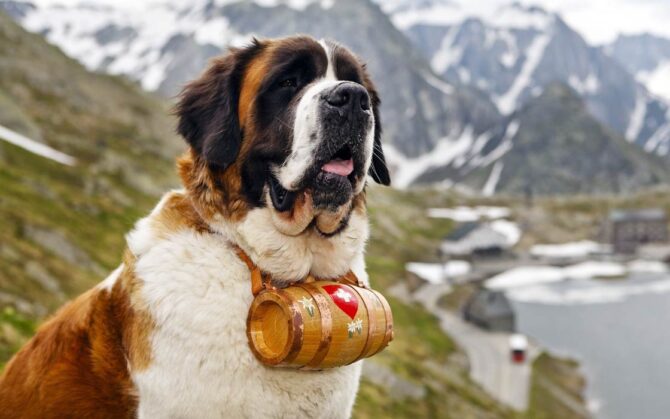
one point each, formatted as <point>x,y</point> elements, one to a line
<point>658,251</point>
<point>628,230</point>
<point>490,310</point>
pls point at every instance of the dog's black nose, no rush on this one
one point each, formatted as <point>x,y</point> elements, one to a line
<point>349,96</point>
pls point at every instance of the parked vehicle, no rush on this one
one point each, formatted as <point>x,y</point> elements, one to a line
<point>518,348</point>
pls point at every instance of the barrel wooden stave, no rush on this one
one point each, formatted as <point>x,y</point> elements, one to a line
<point>334,324</point>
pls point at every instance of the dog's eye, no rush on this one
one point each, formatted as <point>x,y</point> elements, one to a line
<point>289,82</point>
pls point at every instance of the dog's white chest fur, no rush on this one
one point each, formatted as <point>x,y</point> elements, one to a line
<point>198,292</point>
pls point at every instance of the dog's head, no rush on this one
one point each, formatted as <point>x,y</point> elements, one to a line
<point>291,125</point>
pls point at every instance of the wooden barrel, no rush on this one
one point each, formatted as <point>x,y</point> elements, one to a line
<point>316,325</point>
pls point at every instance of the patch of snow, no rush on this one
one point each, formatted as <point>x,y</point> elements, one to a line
<point>657,80</point>
<point>509,229</point>
<point>436,273</point>
<point>439,84</point>
<point>156,73</point>
<point>508,101</point>
<point>536,91</point>
<point>36,148</point>
<point>511,130</point>
<point>482,84</point>
<point>295,4</point>
<point>436,14</point>
<point>446,150</point>
<point>595,269</point>
<point>494,178</point>
<point>658,139</point>
<point>508,58</point>
<point>464,75</point>
<point>149,26</point>
<point>636,117</point>
<point>524,276</point>
<point>490,37</point>
<point>213,32</point>
<point>590,85</point>
<point>480,142</point>
<point>650,266</point>
<point>446,55</point>
<point>463,214</point>
<point>568,250</point>
<point>518,17</point>
<point>481,237</point>
<point>405,15</point>
<point>591,292</point>
<point>503,148</point>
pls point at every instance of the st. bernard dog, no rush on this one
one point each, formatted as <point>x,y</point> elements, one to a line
<point>283,135</point>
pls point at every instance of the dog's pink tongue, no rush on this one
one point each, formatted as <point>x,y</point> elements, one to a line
<point>339,167</point>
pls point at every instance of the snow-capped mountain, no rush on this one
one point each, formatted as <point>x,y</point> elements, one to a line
<point>514,51</point>
<point>647,57</point>
<point>552,144</point>
<point>454,77</point>
<point>165,43</point>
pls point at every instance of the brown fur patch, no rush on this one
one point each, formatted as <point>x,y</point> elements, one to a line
<point>219,192</point>
<point>177,213</point>
<point>359,203</point>
<point>139,324</point>
<point>251,82</point>
<point>297,219</point>
<point>212,193</point>
<point>76,365</point>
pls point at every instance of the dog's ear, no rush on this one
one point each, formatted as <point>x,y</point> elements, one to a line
<point>207,108</point>
<point>378,169</point>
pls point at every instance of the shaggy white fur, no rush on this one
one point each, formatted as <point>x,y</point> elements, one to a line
<point>198,292</point>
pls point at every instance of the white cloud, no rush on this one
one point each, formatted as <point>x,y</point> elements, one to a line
<point>600,21</point>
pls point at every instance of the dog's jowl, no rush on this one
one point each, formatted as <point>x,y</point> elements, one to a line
<point>283,136</point>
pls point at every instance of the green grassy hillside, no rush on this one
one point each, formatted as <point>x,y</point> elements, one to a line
<point>61,228</point>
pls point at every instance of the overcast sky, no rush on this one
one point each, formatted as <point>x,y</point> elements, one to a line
<point>601,20</point>
<point>598,20</point>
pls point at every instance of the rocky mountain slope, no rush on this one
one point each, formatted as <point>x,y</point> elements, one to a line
<point>451,73</point>
<point>170,43</point>
<point>514,51</point>
<point>61,227</point>
<point>647,57</point>
<point>553,145</point>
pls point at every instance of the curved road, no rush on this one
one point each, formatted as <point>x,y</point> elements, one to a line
<point>488,352</point>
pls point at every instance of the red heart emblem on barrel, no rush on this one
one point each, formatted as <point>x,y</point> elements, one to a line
<point>343,298</point>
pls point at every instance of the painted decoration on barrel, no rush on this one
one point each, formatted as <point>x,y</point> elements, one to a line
<point>343,299</point>
<point>355,326</point>
<point>307,305</point>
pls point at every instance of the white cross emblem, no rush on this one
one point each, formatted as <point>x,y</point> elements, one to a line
<point>343,295</point>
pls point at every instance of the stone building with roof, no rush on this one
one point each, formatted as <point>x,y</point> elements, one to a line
<point>491,310</point>
<point>627,230</point>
